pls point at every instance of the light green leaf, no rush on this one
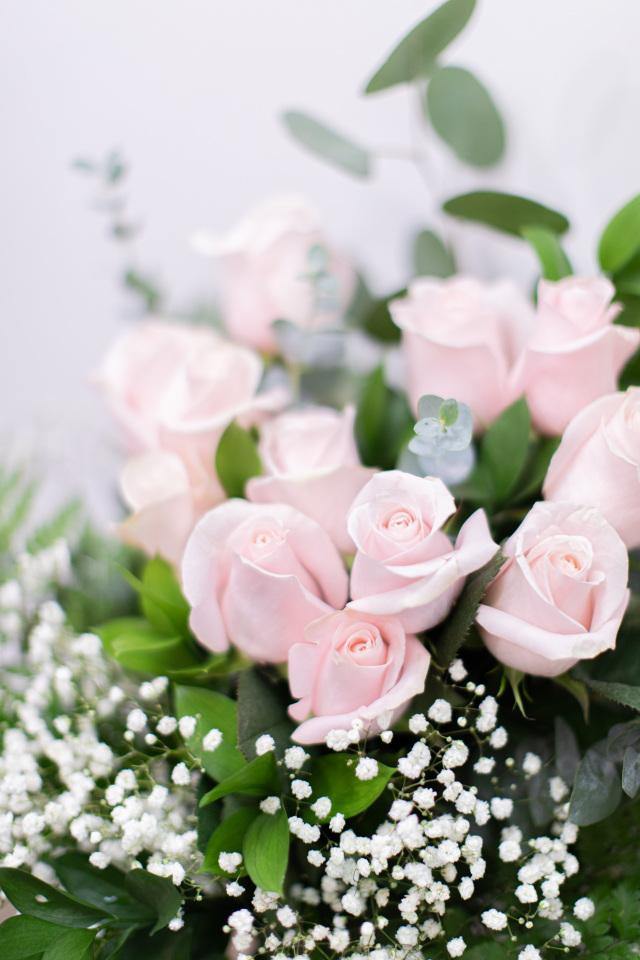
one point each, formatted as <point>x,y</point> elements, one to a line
<point>554,263</point>
<point>416,53</point>
<point>22,937</point>
<point>161,598</point>
<point>505,212</point>
<point>596,791</point>
<point>137,645</point>
<point>384,422</point>
<point>464,115</point>
<point>622,693</point>
<point>431,258</point>
<point>334,776</point>
<point>237,460</point>
<point>62,524</point>
<point>620,239</point>
<point>505,447</point>
<point>266,850</point>
<point>456,628</point>
<point>158,893</point>
<point>260,711</point>
<point>228,838</point>
<point>72,945</point>
<point>212,711</point>
<point>327,143</point>
<point>256,779</point>
<point>37,899</point>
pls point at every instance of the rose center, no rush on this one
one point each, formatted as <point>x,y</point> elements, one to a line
<point>365,645</point>
<point>400,524</point>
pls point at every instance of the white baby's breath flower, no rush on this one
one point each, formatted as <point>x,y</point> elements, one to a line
<point>584,908</point>
<point>265,744</point>
<point>212,740</point>
<point>270,805</point>
<point>295,758</point>
<point>440,711</point>
<point>367,768</point>
<point>494,919</point>
<point>456,947</point>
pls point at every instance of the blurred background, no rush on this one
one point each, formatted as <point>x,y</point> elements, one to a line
<point>190,95</point>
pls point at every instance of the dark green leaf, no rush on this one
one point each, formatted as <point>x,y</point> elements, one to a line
<point>328,144</point>
<point>334,776</point>
<point>260,711</point>
<point>37,899</point>
<point>166,945</point>
<point>596,791</point>
<point>72,945</point>
<point>416,53</point>
<point>431,258</point>
<point>622,693</point>
<point>621,736</point>
<point>256,779</point>
<point>536,468</point>
<point>137,645</point>
<point>630,376</point>
<point>505,212</point>
<point>554,263</point>
<point>577,689</point>
<point>465,117</point>
<point>567,752</point>
<point>383,422</point>
<point>228,838</point>
<point>621,237</point>
<point>163,603</point>
<point>266,850</point>
<point>22,937</point>
<point>631,772</point>
<point>237,460</point>
<point>456,628</point>
<point>209,818</point>
<point>378,322</point>
<point>505,447</point>
<point>212,711</point>
<point>104,889</point>
<point>158,893</point>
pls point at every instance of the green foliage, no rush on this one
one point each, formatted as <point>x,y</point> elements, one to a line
<point>415,55</point>
<point>596,790</point>
<point>144,287</point>
<point>383,422</point>
<point>266,850</point>
<point>157,893</point>
<point>212,710</point>
<point>333,776</point>
<point>237,460</point>
<point>104,889</point>
<point>554,263</point>
<point>505,212</point>
<point>503,455</point>
<point>228,838</point>
<point>61,525</point>
<point>620,239</point>
<point>456,628</point>
<point>23,937</point>
<point>464,115</point>
<point>138,646</point>
<point>431,258</point>
<point>72,945</point>
<point>328,144</point>
<point>161,598</point>
<point>17,491</point>
<point>35,898</point>
<point>621,693</point>
<point>260,710</point>
<point>259,778</point>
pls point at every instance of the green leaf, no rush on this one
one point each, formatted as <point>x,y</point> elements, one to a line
<point>464,115</point>
<point>228,838</point>
<point>431,258</point>
<point>237,460</point>
<point>72,945</point>
<point>416,53</point>
<point>334,776</point>
<point>378,322</point>
<point>256,779</point>
<point>163,603</point>
<point>158,893</point>
<point>383,422</point>
<point>631,772</point>
<point>622,693</point>
<point>577,689</point>
<point>505,212</point>
<point>37,899</point>
<point>60,525</point>
<point>621,237</point>
<point>536,468</point>
<point>456,629</point>
<point>327,143</point>
<point>630,375</point>
<point>260,710</point>
<point>596,791</point>
<point>22,937</point>
<point>213,711</point>
<point>105,889</point>
<point>567,752</point>
<point>554,263</point>
<point>137,645</point>
<point>504,449</point>
<point>266,850</point>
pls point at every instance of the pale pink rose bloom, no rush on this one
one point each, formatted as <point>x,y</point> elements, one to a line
<point>266,266</point>
<point>256,575</point>
<point>598,462</point>
<point>576,351</point>
<point>464,338</point>
<point>311,461</point>
<point>405,563</point>
<point>353,667</point>
<point>562,593</point>
<point>174,389</point>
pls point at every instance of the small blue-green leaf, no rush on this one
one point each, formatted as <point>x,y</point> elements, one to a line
<point>464,115</point>
<point>327,143</point>
<point>431,258</point>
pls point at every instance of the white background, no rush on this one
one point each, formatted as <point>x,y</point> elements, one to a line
<point>190,92</point>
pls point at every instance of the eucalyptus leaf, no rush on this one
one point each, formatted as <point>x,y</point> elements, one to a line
<point>596,791</point>
<point>620,239</point>
<point>505,212</point>
<point>328,143</point>
<point>33,897</point>
<point>464,115</point>
<point>260,711</point>
<point>259,778</point>
<point>431,257</point>
<point>334,776</point>
<point>237,460</point>
<point>567,752</point>
<point>416,53</point>
<point>212,711</point>
<point>554,263</point>
<point>228,838</point>
<point>631,772</point>
<point>266,850</point>
<point>456,628</point>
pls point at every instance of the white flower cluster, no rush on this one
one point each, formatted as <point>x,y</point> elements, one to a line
<point>384,895</point>
<point>70,773</point>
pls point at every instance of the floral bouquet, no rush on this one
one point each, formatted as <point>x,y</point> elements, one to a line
<point>358,675</point>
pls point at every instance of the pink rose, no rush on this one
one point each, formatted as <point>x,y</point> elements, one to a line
<point>311,462</point>
<point>464,338</point>
<point>255,576</point>
<point>598,462</point>
<point>353,667</point>
<point>405,563</point>
<point>276,265</point>
<point>576,351</point>
<point>562,593</point>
